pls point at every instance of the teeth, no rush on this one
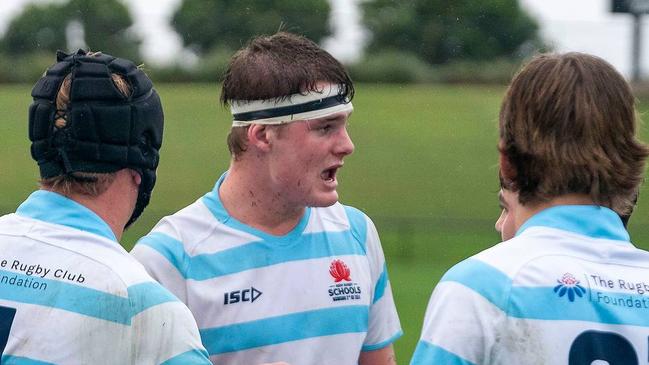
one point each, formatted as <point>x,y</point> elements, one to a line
<point>328,174</point>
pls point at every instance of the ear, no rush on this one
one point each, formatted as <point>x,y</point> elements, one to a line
<point>137,179</point>
<point>258,136</point>
<point>507,170</point>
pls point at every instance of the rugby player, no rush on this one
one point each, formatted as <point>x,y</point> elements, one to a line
<point>272,266</point>
<point>567,287</point>
<point>69,293</point>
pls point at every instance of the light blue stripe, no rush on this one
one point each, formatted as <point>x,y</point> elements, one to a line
<point>381,284</point>
<point>146,295</point>
<point>482,278</point>
<point>170,248</point>
<point>358,225</point>
<point>85,301</point>
<point>281,329</point>
<point>18,360</point>
<point>191,357</point>
<point>253,255</point>
<point>383,344</point>
<point>590,220</point>
<point>427,354</point>
<point>54,208</point>
<point>69,297</point>
<point>542,302</point>
<point>268,250</point>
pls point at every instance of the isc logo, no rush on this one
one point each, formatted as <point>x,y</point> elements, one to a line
<point>245,295</point>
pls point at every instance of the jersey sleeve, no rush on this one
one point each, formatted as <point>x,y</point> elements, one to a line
<point>464,316</point>
<point>164,330</point>
<point>383,327</point>
<point>163,255</point>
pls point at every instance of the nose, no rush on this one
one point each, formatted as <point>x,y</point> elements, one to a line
<point>345,146</point>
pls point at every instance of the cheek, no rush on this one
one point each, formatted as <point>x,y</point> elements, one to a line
<point>307,165</point>
<point>298,171</point>
<point>509,228</point>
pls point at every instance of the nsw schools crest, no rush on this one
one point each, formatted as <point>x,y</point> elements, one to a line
<point>343,287</point>
<point>339,271</point>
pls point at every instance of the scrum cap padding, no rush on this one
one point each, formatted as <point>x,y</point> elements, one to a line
<point>105,130</point>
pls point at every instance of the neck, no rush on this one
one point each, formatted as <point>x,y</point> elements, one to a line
<point>105,209</point>
<point>255,203</point>
<point>525,212</point>
<point>114,206</point>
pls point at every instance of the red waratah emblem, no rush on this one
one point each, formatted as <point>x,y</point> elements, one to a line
<point>339,271</point>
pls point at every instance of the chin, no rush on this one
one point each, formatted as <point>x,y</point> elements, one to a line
<point>324,201</point>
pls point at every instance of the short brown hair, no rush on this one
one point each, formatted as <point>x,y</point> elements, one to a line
<point>84,183</point>
<point>274,67</point>
<point>568,125</point>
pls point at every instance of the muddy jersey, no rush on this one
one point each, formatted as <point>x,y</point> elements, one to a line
<point>317,295</point>
<point>70,294</point>
<point>569,288</point>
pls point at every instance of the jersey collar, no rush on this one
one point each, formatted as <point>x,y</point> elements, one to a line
<point>589,220</point>
<point>213,202</point>
<point>54,208</point>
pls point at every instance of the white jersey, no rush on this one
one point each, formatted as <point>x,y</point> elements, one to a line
<point>318,295</point>
<point>70,294</point>
<point>568,289</point>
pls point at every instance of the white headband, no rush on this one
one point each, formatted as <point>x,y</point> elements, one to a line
<point>312,105</point>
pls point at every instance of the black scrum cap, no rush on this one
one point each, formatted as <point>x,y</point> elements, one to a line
<point>105,131</point>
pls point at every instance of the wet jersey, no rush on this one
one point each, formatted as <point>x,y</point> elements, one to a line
<point>569,288</point>
<point>70,294</point>
<point>318,295</point>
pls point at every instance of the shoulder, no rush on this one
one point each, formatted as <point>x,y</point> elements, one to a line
<point>342,217</point>
<point>82,264</point>
<point>14,225</point>
<point>147,294</point>
<point>182,230</point>
<point>492,272</point>
<point>339,217</point>
<point>102,262</point>
<point>188,224</point>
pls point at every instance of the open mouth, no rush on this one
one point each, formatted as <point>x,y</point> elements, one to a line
<point>329,175</point>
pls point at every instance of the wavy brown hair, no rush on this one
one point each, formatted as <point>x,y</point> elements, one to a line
<point>568,125</point>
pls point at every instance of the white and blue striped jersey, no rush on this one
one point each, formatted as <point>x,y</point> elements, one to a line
<point>70,294</point>
<point>317,295</point>
<point>569,288</point>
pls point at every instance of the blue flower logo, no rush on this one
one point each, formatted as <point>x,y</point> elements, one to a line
<point>569,285</point>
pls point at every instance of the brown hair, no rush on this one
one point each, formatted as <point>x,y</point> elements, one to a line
<point>274,67</point>
<point>84,183</point>
<point>568,125</point>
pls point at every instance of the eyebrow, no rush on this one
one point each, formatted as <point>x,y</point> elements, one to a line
<point>501,200</point>
<point>332,117</point>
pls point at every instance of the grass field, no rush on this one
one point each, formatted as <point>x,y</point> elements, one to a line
<point>424,169</point>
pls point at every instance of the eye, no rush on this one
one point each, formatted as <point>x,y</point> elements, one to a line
<point>501,203</point>
<point>326,127</point>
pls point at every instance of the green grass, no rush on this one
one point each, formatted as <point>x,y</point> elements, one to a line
<point>424,169</point>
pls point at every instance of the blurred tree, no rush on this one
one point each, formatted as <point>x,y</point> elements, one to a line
<point>440,31</point>
<point>43,27</point>
<point>229,24</point>
<point>106,26</point>
<point>37,28</point>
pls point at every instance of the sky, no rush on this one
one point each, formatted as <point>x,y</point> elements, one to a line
<point>573,25</point>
